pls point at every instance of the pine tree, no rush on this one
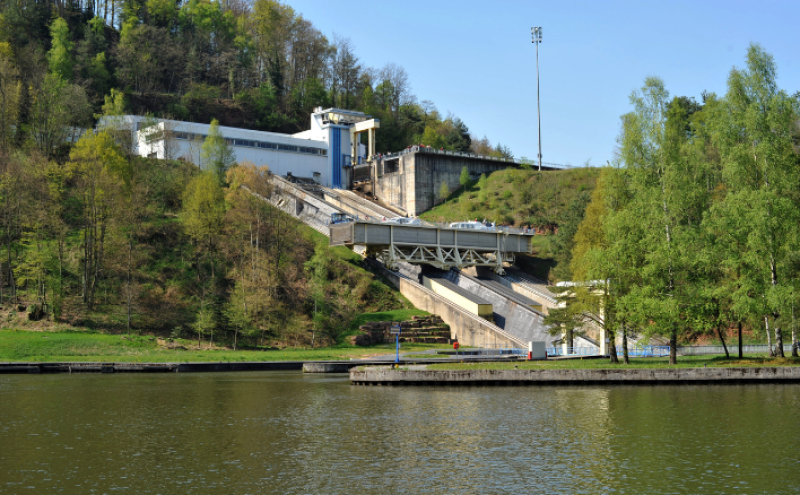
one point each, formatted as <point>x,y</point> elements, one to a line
<point>444,191</point>
<point>216,155</point>
<point>60,58</point>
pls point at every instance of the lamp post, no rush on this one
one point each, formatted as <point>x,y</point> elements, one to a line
<point>536,38</point>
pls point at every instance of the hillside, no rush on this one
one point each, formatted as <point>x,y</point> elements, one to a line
<point>543,200</point>
<point>518,197</point>
<point>162,248</point>
<point>62,64</point>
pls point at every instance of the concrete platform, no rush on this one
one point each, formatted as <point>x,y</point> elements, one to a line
<point>390,376</point>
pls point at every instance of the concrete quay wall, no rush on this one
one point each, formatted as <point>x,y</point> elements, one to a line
<point>412,181</point>
<point>389,376</point>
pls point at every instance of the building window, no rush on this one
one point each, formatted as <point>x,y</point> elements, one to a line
<point>246,143</point>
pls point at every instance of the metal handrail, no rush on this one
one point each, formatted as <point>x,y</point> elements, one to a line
<point>446,225</point>
<point>502,350</point>
<point>573,351</point>
<point>645,351</point>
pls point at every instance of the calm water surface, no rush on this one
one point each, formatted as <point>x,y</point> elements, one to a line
<point>282,433</point>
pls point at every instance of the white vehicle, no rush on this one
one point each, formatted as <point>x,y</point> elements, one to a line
<point>472,225</point>
<point>402,221</point>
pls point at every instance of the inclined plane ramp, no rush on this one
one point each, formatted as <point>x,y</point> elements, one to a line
<point>518,314</point>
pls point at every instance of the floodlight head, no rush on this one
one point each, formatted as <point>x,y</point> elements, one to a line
<point>536,35</point>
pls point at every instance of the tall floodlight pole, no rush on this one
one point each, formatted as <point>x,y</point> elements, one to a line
<point>536,38</point>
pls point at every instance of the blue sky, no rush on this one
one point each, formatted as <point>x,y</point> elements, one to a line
<point>475,58</point>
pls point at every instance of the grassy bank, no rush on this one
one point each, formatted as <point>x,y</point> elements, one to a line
<point>640,363</point>
<point>522,198</point>
<point>32,346</point>
<point>518,197</point>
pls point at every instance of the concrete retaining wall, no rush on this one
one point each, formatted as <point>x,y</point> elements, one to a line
<point>326,367</point>
<point>396,188</point>
<point>467,328</point>
<point>389,376</point>
<point>412,181</point>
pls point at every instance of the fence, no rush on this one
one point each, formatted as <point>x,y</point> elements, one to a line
<point>733,349</point>
<point>645,351</point>
<point>501,350</point>
<point>573,351</point>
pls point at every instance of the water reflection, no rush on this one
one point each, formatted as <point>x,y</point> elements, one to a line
<point>294,433</point>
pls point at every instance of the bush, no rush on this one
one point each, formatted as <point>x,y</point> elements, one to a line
<point>35,312</point>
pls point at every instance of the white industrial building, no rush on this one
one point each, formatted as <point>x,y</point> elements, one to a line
<point>324,152</point>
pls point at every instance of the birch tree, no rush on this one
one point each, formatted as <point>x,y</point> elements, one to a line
<point>102,173</point>
<point>760,171</point>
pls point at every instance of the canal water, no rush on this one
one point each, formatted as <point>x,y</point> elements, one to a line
<point>286,433</point>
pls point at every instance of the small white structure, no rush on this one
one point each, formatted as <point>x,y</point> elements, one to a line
<point>324,152</point>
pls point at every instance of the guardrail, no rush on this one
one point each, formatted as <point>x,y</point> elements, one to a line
<point>440,225</point>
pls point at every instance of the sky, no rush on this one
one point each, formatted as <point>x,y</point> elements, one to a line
<point>476,60</point>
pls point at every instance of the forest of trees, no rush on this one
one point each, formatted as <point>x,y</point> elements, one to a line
<point>91,235</point>
<point>694,229</point>
<point>109,240</point>
<point>257,65</point>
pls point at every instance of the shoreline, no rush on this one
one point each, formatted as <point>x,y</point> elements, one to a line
<point>601,376</point>
<point>321,366</point>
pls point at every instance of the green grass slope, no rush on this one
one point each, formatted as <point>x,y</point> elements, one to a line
<point>518,197</point>
<point>88,346</point>
<point>521,198</point>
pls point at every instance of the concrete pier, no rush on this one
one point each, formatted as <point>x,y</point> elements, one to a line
<point>381,375</point>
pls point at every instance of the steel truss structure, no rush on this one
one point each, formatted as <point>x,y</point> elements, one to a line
<point>442,257</point>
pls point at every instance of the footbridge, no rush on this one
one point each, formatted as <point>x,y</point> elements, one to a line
<point>442,247</point>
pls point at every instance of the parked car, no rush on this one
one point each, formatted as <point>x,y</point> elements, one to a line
<point>341,218</point>
<point>472,225</point>
<point>402,221</point>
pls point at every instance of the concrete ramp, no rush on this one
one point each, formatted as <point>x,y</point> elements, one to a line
<point>512,312</point>
<point>355,205</point>
<point>469,329</point>
<point>524,285</point>
<point>459,296</point>
<point>302,205</point>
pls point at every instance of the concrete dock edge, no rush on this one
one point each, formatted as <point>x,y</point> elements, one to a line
<point>387,376</point>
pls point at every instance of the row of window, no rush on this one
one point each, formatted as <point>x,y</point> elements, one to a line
<point>247,143</point>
